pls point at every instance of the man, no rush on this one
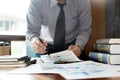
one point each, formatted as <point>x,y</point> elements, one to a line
<point>42,21</point>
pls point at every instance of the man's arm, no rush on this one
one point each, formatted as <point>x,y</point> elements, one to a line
<point>84,23</point>
<point>33,20</point>
<point>84,9</point>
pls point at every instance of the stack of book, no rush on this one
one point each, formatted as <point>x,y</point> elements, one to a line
<point>106,51</point>
<point>8,63</point>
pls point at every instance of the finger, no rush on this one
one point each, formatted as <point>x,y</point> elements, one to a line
<point>45,42</point>
<point>75,49</point>
<point>37,41</point>
<point>39,47</point>
<point>41,43</point>
<point>70,47</point>
<point>39,50</point>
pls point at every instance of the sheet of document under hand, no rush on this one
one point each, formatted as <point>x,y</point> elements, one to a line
<point>63,56</point>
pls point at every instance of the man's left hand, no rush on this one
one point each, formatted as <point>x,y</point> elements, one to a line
<point>76,49</point>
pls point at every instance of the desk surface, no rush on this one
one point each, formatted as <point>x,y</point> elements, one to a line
<point>45,76</point>
<point>110,78</point>
<point>86,70</point>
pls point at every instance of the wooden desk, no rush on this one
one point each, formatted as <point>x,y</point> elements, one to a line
<point>45,76</point>
<point>110,78</point>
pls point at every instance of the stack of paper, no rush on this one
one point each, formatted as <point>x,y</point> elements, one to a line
<point>11,63</point>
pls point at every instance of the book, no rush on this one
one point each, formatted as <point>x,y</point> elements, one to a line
<point>13,65</point>
<point>9,58</point>
<point>107,48</point>
<point>65,56</point>
<point>109,41</point>
<point>105,58</point>
<point>11,62</point>
<point>7,63</point>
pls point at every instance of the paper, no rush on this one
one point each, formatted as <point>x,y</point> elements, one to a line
<point>87,69</point>
<point>65,56</point>
<point>80,70</point>
<point>46,58</point>
<point>47,65</point>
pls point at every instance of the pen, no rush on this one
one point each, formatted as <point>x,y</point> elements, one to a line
<point>24,58</point>
<point>31,62</point>
<point>43,44</point>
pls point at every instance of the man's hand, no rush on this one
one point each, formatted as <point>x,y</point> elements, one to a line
<point>40,46</point>
<point>76,49</point>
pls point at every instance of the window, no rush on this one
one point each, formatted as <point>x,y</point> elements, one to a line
<point>13,16</point>
<point>13,22</point>
<point>18,48</point>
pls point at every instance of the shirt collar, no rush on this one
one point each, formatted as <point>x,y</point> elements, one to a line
<point>54,2</point>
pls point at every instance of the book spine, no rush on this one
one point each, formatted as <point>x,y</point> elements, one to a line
<point>100,57</point>
<point>103,41</point>
<point>102,48</point>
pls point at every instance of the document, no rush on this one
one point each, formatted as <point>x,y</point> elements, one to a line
<point>87,69</point>
<point>79,70</point>
<point>61,57</point>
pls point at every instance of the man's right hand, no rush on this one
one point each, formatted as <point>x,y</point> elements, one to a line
<point>39,46</point>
